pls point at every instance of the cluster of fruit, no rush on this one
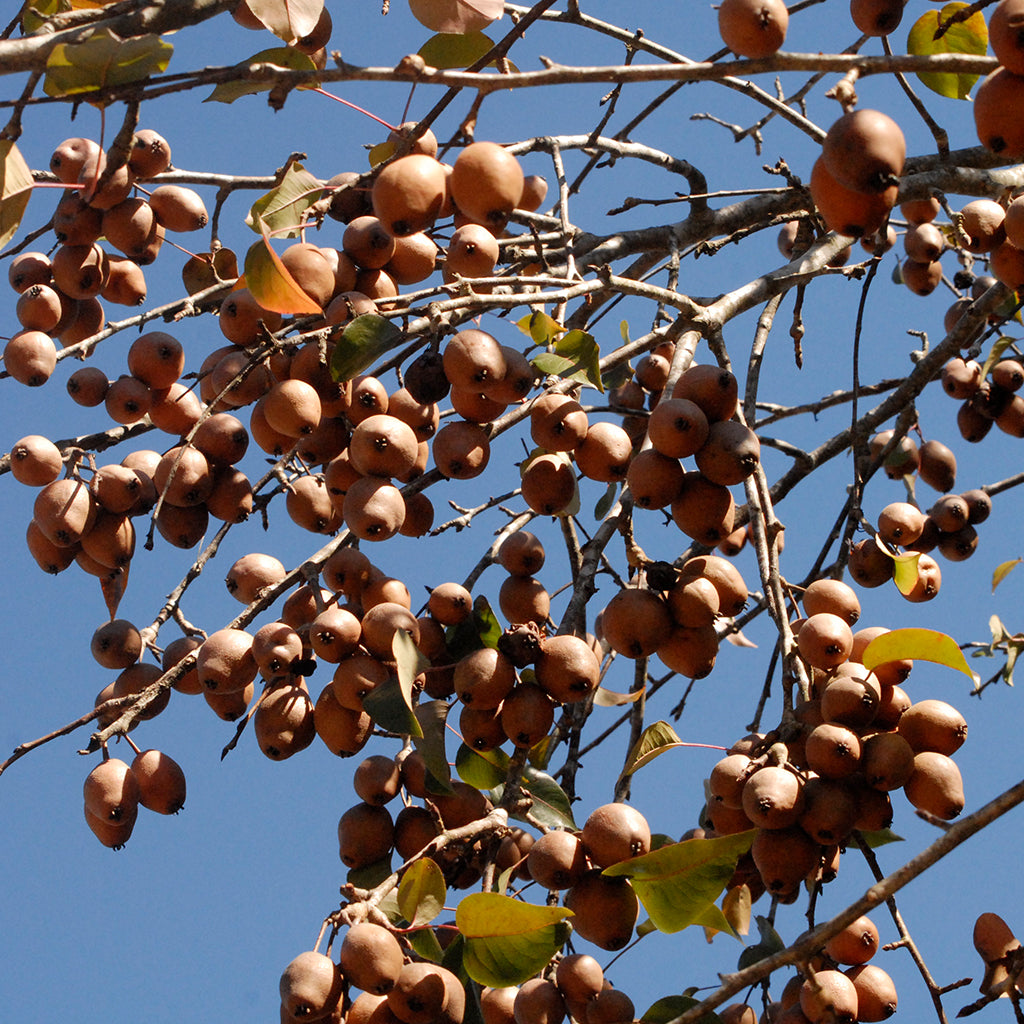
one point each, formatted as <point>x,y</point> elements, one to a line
<point>855,740</point>
<point>114,791</point>
<point>398,989</point>
<point>59,296</point>
<point>675,617</point>
<point>844,986</point>
<point>90,522</point>
<point>986,400</point>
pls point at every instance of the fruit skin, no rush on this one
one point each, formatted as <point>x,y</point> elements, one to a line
<point>486,183</point>
<point>997,105</point>
<point>753,28</point>
<point>1004,35</point>
<point>865,150</point>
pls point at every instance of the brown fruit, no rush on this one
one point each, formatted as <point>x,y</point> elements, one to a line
<point>828,595</point>
<point>635,622</point>
<point>876,17</point>
<point>312,270</point>
<point>938,466</point>
<point>936,785</point>
<point>605,909</point>
<point>36,461</point>
<point>149,155</point>
<point>753,28</point>
<point>486,183</point>
<point>703,510</point>
<point>178,209</point>
<point>311,986</point>
<point>690,651</point>
<point>713,389</point>
<point>996,102</point>
<point>677,427</point>
<point>730,454</point>
<point>483,678</point>
<point>527,714</point>
<point>829,996</point>
<point>461,450</point>
<point>773,798</point>
<point>784,858</point>
<point>373,508</point>
<point>876,993</point>
<point>161,782</point>
<point>924,243</point>
<point>615,832</point>
<point>225,662</point>
<point>408,194</point>
<point>864,150</point>
<point>344,731</point>
<point>933,725</point>
<point>521,554</point>
<point>111,791</point>
<point>869,565</point>
<point>830,810</point>
<point>900,523</point>
<point>538,1002</point>
<point>38,308</point>
<point>64,511</point>
<point>856,944</point>
<point>383,445</point>
<point>848,211</point>
<point>549,484</point>
<point>567,668</point>
<point>30,357</point>
<point>833,751</point>
<point>724,576</point>
<point>371,958</point>
<point>557,860</point>
<point>355,677</point>
<point>365,835</point>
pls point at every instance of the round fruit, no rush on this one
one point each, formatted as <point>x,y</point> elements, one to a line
<point>753,28</point>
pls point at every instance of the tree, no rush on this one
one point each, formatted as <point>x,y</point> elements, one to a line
<point>627,311</point>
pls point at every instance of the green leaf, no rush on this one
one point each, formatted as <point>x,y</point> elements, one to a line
<point>770,942</point>
<point>446,50</point>
<point>271,284</point>
<point>425,943</point>
<point>288,19</point>
<point>481,769</point>
<point>370,876</point>
<point>422,892</point>
<point>1003,570</point>
<point>576,356</point>
<point>654,740</point>
<point>15,189</point>
<point>506,940</point>
<point>281,209</point>
<point>390,704</point>
<point>712,920</point>
<point>102,61</point>
<point>919,645</point>
<point>431,716</point>
<point>540,327</point>
<point>678,883</point>
<point>617,376</point>
<point>362,343</point>
<point>551,806</point>
<point>606,501</point>
<point>624,331</point>
<point>970,36</point>
<point>279,56</point>
<point>880,837</point>
<point>667,1009</point>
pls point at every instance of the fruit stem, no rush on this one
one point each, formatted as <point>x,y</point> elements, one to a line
<point>331,96</point>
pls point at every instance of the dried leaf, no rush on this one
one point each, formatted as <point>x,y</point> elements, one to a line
<point>15,189</point>
<point>1002,571</point>
<point>288,19</point>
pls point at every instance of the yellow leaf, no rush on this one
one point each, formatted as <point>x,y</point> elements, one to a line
<point>904,572</point>
<point>1002,571</point>
<point>610,699</point>
<point>918,645</point>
